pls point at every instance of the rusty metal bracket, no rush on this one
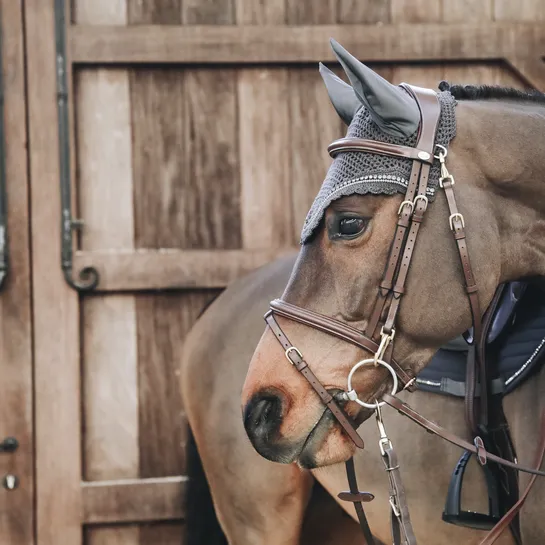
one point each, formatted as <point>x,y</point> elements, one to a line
<point>86,279</point>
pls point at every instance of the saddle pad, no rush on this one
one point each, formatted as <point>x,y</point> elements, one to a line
<point>520,349</point>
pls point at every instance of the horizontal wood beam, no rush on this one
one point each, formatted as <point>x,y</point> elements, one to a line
<point>172,269</point>
<point>299,44</point>
<point>134,500</point>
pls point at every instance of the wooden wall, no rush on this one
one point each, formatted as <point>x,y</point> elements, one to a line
<point>198,148</point>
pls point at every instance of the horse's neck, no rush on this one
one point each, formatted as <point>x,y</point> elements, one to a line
<point>514,164</point>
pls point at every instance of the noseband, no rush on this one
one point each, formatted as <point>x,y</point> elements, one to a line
<point>379,334</point>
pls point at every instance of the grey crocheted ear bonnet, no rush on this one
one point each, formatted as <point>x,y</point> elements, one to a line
<point>360,172</point>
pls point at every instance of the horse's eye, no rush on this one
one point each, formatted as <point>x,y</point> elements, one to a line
<point>350,227</point>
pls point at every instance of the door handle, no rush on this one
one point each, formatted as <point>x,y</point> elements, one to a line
<point>9,444</point>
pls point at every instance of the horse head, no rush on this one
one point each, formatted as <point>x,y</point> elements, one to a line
<point>350,234</point>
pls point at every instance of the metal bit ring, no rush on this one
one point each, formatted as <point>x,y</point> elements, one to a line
<point>352,395</point>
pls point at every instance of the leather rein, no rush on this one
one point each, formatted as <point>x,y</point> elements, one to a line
<point>379,340</point>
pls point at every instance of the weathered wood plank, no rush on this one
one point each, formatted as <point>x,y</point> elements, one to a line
<point>110,381</point>
<point>415,11</point>
<point>467,10</point>
<point>522,10</point>
<point>314,124</point>
<point>264,147</point>
<point>109,372</point>
<point>163,321</point>
<point>208,12</point>
<point>261,12</point>
<point>54,304</point>
<point>369,12</point>
<point>16,401</point>
<point>288,44</point>
<point>185,159</point>
<point>104,159</point>
<point>160,165</point>
<point>310,12</point>
<point>264,141</point>
<point>133,500</point>
<point>173,269</point>
<point>210,195</point>
<point>160,12</point>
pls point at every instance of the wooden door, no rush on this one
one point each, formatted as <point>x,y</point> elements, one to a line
<point>16,411</point>
<point>191,164</point>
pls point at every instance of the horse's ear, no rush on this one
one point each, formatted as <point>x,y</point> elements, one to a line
<point>391,108</point>
<point>342,96</point>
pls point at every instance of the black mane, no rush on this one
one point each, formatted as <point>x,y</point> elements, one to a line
<point>483,92</point>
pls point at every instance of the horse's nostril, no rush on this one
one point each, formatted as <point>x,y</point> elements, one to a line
<point>262,416</point>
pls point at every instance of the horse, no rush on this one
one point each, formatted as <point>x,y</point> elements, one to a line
<point>366,295</point>
<point>259,502</point>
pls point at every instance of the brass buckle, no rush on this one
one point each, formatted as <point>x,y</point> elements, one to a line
<point>421,198</point>
<point>456,216</point>
<point>409,204</point>
<point>287,353</point>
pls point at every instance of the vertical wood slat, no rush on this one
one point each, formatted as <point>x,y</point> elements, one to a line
<point>187,196</point>
<point>54,304</point>
<point>160,164</point>
<point>163,322</point>
<point>264,149</point>
<point>264,141</point>
<point>109,371</point>
<point>16,410</point>
<point>314,123</point>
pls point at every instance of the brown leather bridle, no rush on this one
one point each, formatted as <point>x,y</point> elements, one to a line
<point>380,331</point>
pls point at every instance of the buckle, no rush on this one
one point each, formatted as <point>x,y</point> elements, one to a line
<point>409,204</point>
<point>448,177</point>
<point>297,351</point>
<point>456,216</point>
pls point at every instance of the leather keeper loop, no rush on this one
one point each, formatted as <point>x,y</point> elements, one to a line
<point>356,496</point>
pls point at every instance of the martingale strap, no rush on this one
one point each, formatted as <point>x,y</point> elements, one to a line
<point>476,448</point>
